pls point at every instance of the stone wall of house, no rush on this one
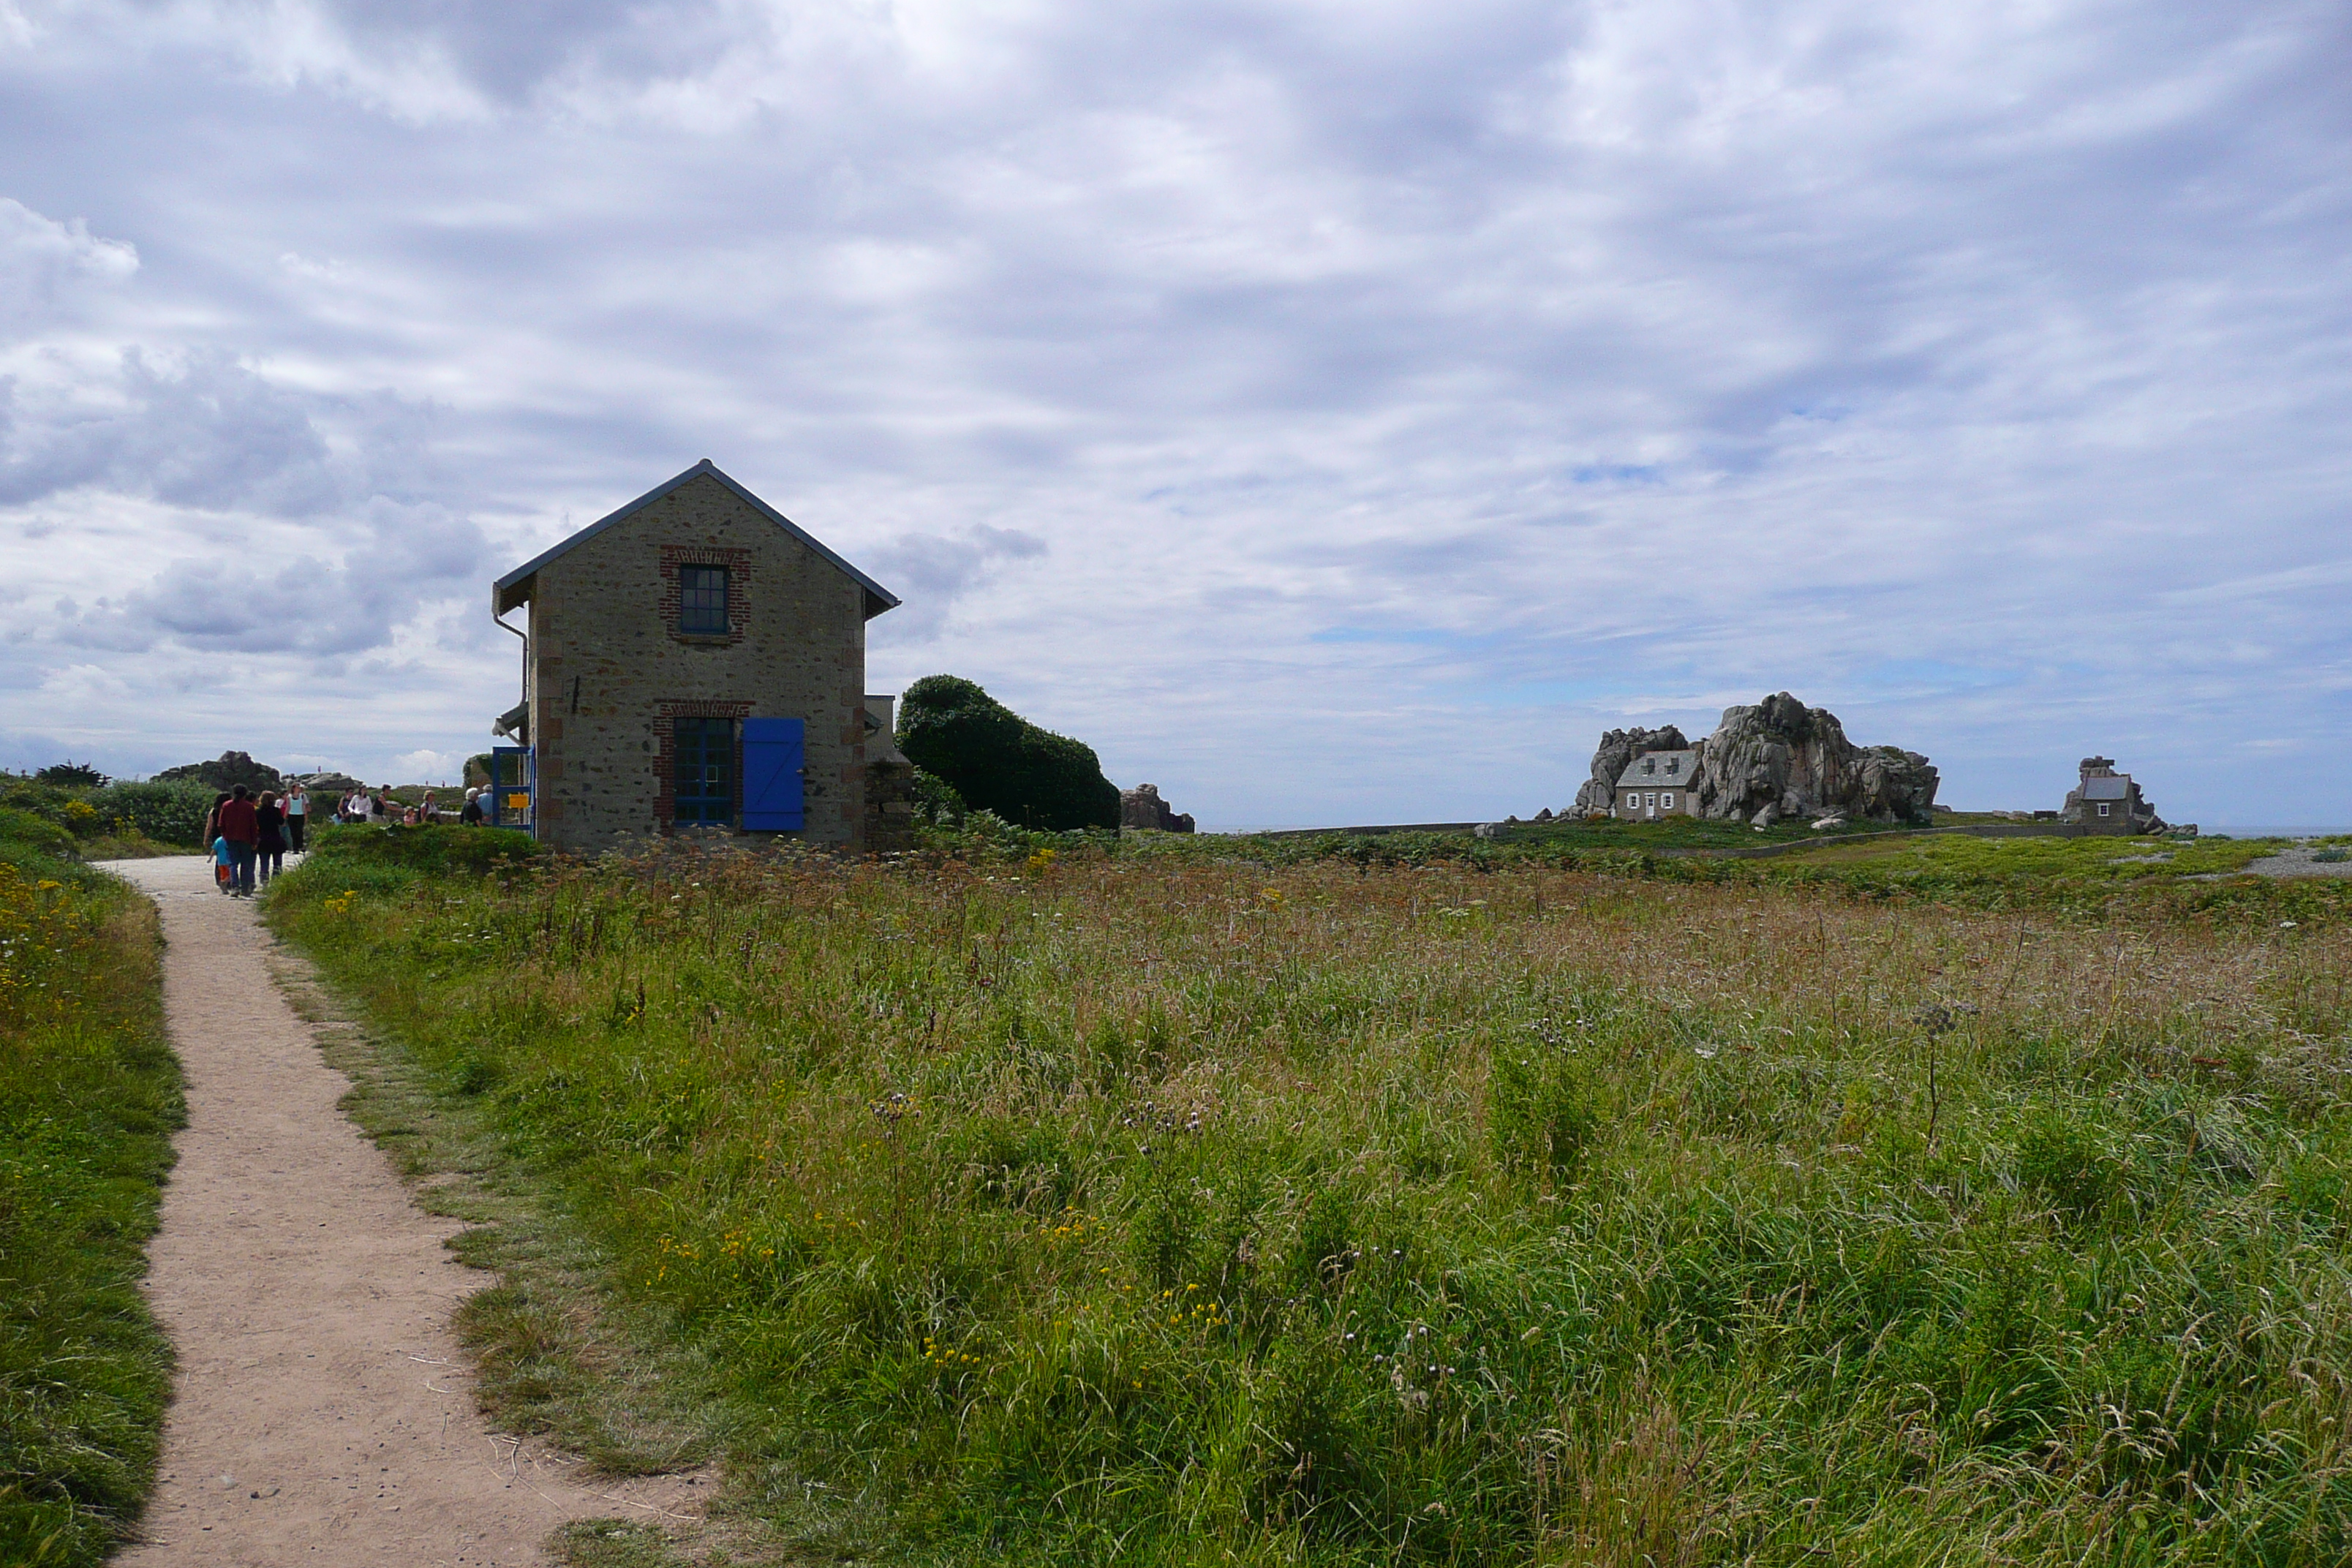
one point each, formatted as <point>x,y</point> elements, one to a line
<point>609,669</point>
<point>889,779</point>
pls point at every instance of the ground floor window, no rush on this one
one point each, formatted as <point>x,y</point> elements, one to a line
<point>703,788</point>
<point>1666,801</point>
<point>2103,808</point>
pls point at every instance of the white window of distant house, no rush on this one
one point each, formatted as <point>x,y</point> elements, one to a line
<point>1666,801</point>
<point>1650,799</point>
<point>2103,808</point>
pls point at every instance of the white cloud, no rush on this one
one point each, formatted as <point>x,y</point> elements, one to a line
<point>43,261</point>
<point>1324,411</point>
<point>429,767</point>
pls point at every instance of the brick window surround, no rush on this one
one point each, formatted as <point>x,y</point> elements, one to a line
<point>739,591</point>
<point>665,752</point>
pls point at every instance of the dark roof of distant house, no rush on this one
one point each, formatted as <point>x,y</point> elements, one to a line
<point>514,587</point>
<point>2113,787</point>
<point>1665,768</point>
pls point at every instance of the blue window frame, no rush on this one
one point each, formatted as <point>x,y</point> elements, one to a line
<point>704,783</point>
<point>702,600</point>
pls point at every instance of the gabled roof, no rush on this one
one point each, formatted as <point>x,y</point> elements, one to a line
<point>2107,786</point>
<point>514,589</point>
<point>1665,768</point>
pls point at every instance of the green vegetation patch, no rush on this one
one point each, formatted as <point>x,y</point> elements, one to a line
<point>1164,1208</point>
<point>993,760</point>
<point>129,818</point>
<point>430,851</point>
<point>89,1097</point>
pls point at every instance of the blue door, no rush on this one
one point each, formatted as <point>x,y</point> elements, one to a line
<point>774,761</point>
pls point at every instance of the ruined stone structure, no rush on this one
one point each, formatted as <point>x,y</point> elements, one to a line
<point>695,661</point>
<point>1141,808</point>
<point>889,779</point>
<point>1774,759</point>
<point>2105,801</point>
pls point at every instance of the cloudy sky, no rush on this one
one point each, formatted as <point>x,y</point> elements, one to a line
<point>1330,412</point>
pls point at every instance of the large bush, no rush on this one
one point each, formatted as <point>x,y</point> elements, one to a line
<point>997,761</point>
<point>439,850</point>
<point>171,812</point>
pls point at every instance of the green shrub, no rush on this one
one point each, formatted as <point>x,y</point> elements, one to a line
<point>438,851</point>
<point>937,802</point>
<point>23,829</point>
<point>996,760</point>
<point>171,812</point>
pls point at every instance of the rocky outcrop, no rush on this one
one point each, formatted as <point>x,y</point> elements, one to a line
<point>1781,759</point>
<point>1141,808</point>
<point>228,770</point>
<point>1618,749</point>
<point>1777,759</point>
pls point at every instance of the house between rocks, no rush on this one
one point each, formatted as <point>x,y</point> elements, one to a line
<point>1656,784</point>
<point>2104,800</point>
<point>696,662</point>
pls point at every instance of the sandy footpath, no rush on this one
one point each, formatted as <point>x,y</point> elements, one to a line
<point>323,1413</point>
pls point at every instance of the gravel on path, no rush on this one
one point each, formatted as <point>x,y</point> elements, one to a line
<point>322,1411</point>
<point>2298,860</point>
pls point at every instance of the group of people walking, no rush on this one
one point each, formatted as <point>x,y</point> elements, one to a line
<point>365,805</point>
<point>250,836</point>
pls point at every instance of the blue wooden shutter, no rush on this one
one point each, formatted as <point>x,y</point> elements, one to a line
<point>773,759</point>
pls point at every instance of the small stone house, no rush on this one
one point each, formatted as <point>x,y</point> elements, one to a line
<point>2105,801</point>
<point>696,661</point>
<point>1656,784</point>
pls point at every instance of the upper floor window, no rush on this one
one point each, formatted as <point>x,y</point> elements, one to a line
<point>702,600</point>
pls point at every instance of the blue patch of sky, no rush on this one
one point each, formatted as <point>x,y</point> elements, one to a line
<point>1912,677</point>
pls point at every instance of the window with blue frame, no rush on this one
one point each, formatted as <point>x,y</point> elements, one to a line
<point>702,601</point>
<point>703,788</point>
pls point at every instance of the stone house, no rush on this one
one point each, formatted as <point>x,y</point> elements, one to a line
<point>696,660</point>
<point>2105,801</point>
<point>1656,784</point>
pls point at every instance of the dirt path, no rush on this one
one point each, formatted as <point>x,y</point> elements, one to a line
<point>323,1412</point>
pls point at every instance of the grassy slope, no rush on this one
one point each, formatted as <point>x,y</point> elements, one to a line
<point>88,1098</point>
<point>1182,1210</point>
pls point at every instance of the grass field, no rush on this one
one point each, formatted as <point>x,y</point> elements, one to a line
<point>1169,1206</point>
<point>88,1098</point>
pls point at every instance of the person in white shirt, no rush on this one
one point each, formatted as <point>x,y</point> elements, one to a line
<point>297,816</point>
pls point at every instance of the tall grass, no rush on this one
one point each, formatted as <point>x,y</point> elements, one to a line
<point>1173,1209</point>
<point>88,1098</point>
